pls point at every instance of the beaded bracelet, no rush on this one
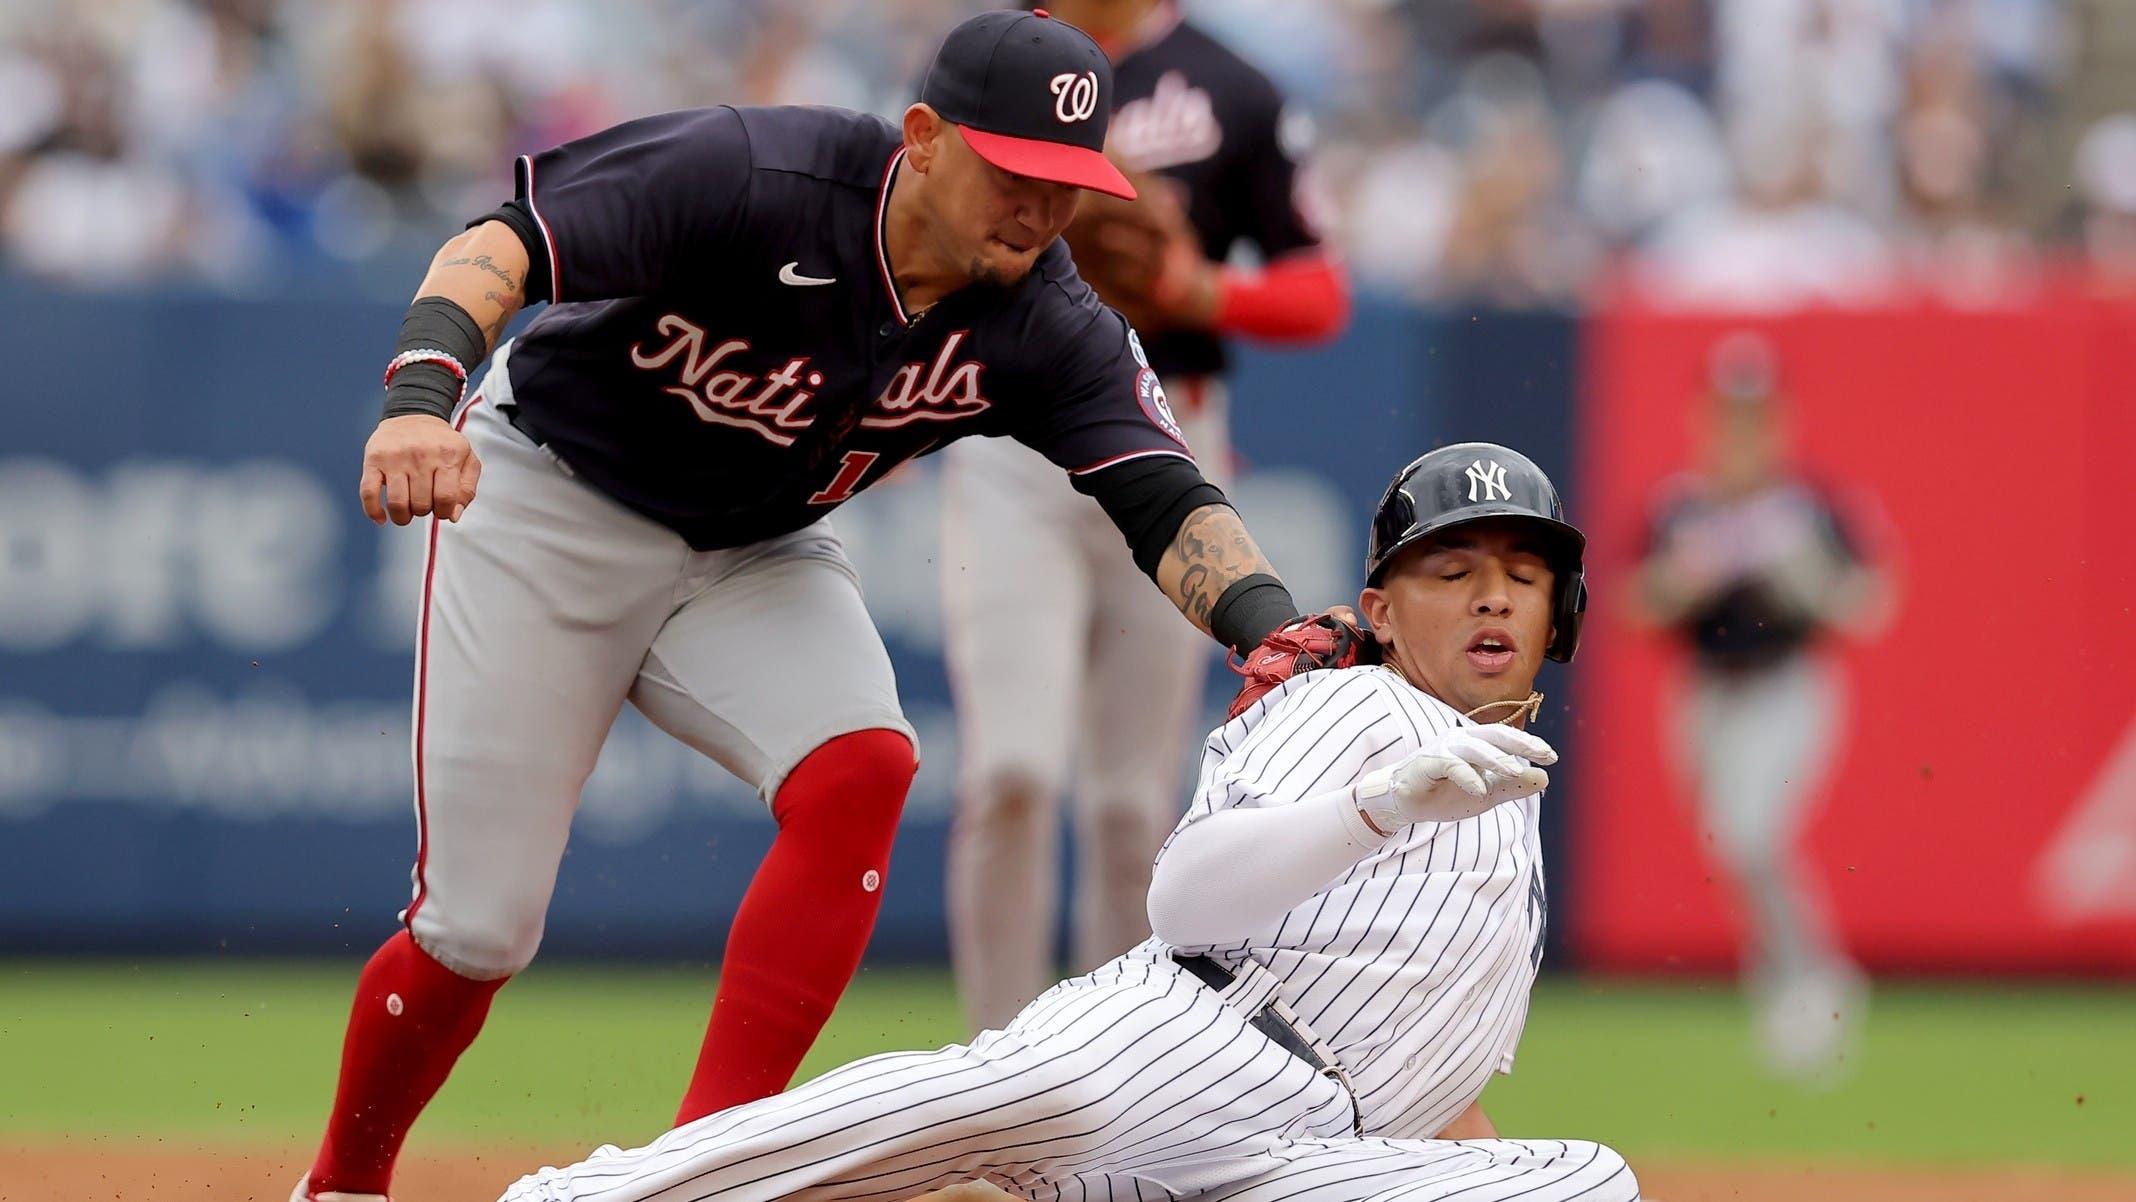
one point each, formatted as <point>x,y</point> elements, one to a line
<point>429,355</point>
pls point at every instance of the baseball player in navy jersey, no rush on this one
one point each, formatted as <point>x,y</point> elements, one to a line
<point>1068,666</point>
<point>1348,921</point>
<point>1753,564</point>
<point>753,314</point>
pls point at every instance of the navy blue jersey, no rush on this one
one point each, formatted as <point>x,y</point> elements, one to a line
<point>1189,109</point>
<point>1789,526</point>
<point>724,351</point>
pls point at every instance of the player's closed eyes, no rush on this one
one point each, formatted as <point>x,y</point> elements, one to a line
<point>1516,577</point>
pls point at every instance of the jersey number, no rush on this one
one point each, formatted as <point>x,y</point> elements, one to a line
<point>850,470</point>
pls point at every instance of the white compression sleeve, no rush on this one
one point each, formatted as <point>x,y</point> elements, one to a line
<point>1237,871</point>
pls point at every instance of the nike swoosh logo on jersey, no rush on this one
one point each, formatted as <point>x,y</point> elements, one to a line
<point>787,275</point>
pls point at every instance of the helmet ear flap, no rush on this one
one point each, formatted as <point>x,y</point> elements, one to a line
<point>1570,605</point>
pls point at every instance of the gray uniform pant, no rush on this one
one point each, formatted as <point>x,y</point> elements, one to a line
<point>1065,660</point>
<point>1760,744</point>
<point>545,608</point>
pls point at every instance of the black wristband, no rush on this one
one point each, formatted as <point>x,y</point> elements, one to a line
<point>431,388</point>
<point>1249,609</point>
<point>433,324</point>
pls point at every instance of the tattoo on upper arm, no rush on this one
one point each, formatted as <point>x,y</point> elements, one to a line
<point>484,263</point>
<point>1213,551</point>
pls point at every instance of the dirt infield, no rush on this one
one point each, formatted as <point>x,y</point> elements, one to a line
<point>97,1171</point>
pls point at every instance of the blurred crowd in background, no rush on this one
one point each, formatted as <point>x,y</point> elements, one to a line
<point>1754,154</point>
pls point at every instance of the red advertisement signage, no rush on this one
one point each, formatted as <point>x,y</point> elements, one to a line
<point>1979,808</point>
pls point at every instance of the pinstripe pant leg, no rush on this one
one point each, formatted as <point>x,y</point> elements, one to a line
<point>1087,1074</point>
<point>1415,1170</point>
<point>891,1126</point>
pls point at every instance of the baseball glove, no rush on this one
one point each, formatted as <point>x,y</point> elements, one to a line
<point>1122,247</point>
<point>1299,646</point>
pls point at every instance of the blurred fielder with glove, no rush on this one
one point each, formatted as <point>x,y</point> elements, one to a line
<point>1753,565</point>
<point>1064,666</point>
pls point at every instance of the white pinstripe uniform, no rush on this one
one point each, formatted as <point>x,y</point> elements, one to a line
<point>1411,971</point>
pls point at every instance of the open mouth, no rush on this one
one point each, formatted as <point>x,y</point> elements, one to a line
<point>1491,650</point>
<point>1011,247</point>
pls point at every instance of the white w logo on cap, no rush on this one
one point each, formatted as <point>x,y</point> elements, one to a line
<point>1491,479</point>
<point>1075,97</point>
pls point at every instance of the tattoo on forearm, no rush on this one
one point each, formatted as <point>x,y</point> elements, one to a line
<point>1211,551</point>
<point>484,263</point>
<point>506,306</point>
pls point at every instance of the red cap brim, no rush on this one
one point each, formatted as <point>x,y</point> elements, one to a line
<point>1076,166</point>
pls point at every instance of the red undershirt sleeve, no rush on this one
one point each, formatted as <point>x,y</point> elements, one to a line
<point>1297,299</point>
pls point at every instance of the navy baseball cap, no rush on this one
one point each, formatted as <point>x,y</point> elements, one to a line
<point>1032,95</point>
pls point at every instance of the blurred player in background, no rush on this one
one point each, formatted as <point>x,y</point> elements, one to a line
<point>1749,563</point>
<point>1063,661</point>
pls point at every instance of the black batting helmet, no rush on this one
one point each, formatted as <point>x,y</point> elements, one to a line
<point>1472,481</point>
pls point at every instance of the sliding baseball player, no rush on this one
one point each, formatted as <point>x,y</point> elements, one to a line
<point>1348,922</point>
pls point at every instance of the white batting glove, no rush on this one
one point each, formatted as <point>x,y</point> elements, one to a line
<point>1457,774</point>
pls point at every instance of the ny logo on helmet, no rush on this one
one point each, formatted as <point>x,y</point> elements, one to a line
<point>1075,97</point>
<point>1492,480</point>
